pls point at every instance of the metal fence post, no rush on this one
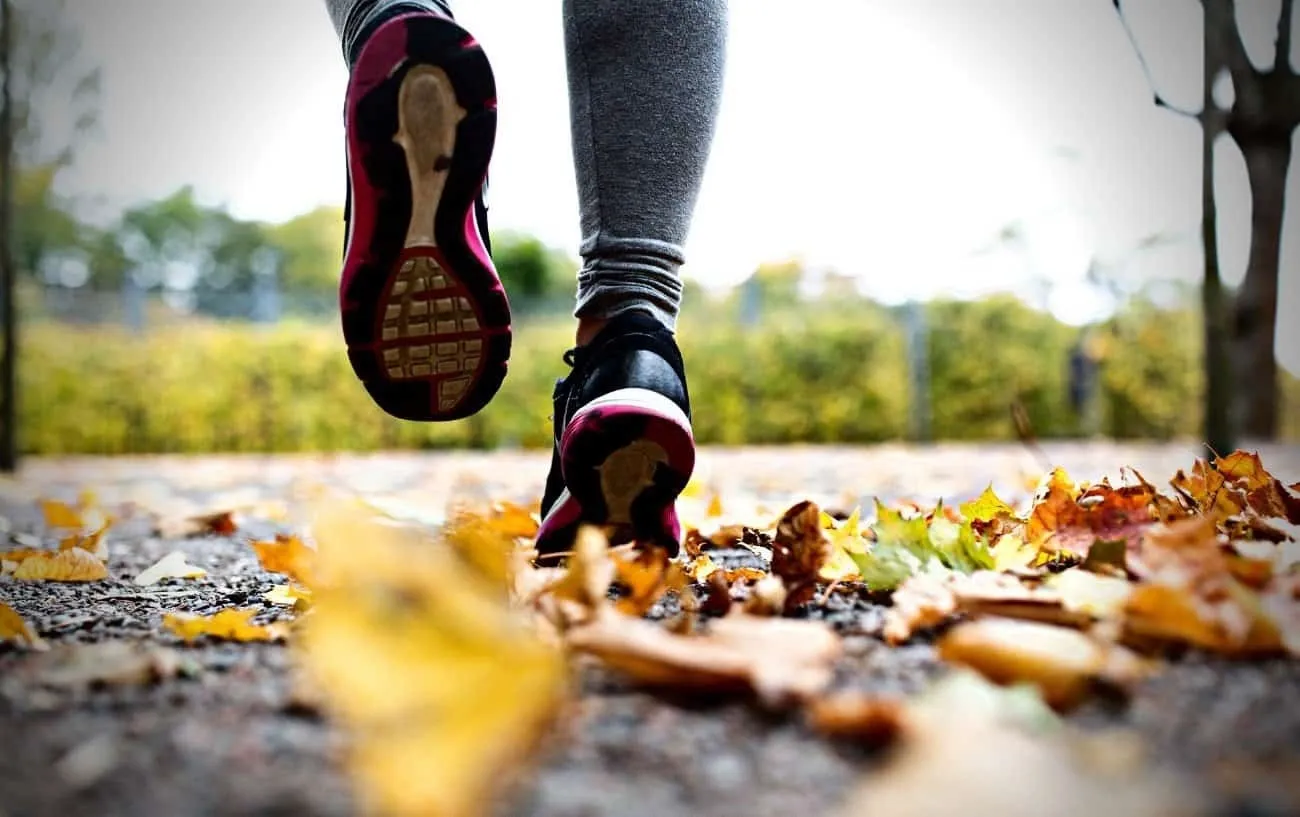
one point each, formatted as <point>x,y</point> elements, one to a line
<point>9,362</point>
<point>918,355</point>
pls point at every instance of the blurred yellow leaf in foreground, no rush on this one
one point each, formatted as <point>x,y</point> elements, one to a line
<point>443,690</point>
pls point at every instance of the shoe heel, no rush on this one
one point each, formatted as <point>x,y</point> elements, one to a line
<point>627,456</point>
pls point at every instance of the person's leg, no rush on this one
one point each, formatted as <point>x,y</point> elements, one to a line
<point>644,83</point>
<point>425,317</point>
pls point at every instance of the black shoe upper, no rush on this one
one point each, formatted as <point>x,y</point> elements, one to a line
<point>634,350</point>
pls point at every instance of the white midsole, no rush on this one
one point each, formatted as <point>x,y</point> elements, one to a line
<point>640,398</point>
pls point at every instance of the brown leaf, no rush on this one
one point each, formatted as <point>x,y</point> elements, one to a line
<point>74,565</point>
<point>1063,663</point>
<point>874,721</point>
<point>781,660</point>
<point>929,599</point>
<point>717,595</point>
<point>799,551</point>
<point>1065,519</point>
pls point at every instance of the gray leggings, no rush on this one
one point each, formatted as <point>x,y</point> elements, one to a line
<point>645,78</point>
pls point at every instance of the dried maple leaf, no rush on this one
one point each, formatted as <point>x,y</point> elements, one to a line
<point>171,566</point>
<point>931,598</point>
<point>799,552</point>
<point>647,577</point>
<point>287,554</point>
<point>228,625</point>
<point>1012,554</point>
<point>781,660</point>
<point>585,584</point>
<point>1209,492</point>
<point>1190,595</point>
<point>1063,663</point>
<point>478,689</point>
<point>74,565</point>
<point>1067,519</point>
<point>15,630</point>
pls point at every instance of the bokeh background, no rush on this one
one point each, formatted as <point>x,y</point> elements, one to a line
<point>922,220</point>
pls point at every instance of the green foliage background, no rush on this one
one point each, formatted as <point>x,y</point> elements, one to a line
<point>805,377</point>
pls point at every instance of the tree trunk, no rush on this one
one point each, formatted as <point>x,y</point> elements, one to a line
<point>1255,315</point>
<point>1220,434</point>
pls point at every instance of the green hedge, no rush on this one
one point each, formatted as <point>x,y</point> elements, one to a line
<point>833,375</point>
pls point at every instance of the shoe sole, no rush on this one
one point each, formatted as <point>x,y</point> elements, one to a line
<point>626,457</point>
<point>425,316</point>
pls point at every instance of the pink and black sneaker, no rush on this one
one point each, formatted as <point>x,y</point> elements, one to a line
<point>624,449</point>
<point>425,316</point>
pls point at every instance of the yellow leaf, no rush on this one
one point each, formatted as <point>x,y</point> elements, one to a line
<point>1012,553</point>
<point>287,555</point>
<point>92,543</point>
<point>986,508</point>
<point>60,515</point>
<point>514,520</point>
<point>477,686</point>
<point>17,631</point>
<point>171,566</point>
<point>715,507</point>
<point>75,565</point>
<point>287,595</point>
<point>700,568</point>
<point>229,625</point>
<point>845,539</point>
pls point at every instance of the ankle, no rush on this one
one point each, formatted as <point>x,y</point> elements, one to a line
<point>588,329</point>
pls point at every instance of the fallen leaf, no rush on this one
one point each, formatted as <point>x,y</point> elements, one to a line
<point>92,542</point>
<point>15,630</point>
<point>61,515</point>
<point>646,577</point>
<point>1011,553</point>
<point>478,688</point>
<point>216,523</point>
<point>966,750</point>
<point>715,507</point>
<point>287,595</point>
<point>228,625</point>
<point>514,520</point>
<point>171,566</point>
<point>74,565</point>
<point>781,660</point>
<point>1091,594</point>
<point>870,720</point>
<point>799,552</point>
<point>1063,663</point>
<point>287,554</point>
<point>846,539</point>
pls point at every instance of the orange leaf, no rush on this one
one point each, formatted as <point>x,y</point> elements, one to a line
<point>647,578</point>
<point>287,555</point>
<point>74,565</point>
<point>60,514</point>
<point>509,519</point>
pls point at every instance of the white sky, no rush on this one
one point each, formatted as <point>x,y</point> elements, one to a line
<point>890,139</point>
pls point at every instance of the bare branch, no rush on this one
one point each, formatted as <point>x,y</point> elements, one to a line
<point>1159,100</point>
<point>1221,17</point>
<point>1282,59</point>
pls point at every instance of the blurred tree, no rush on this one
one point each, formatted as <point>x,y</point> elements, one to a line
<point>1260,119</point>
<point>529,269</point>
<point>311,246</point>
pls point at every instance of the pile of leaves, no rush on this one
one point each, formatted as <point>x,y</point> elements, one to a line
<point>1088,587</point>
